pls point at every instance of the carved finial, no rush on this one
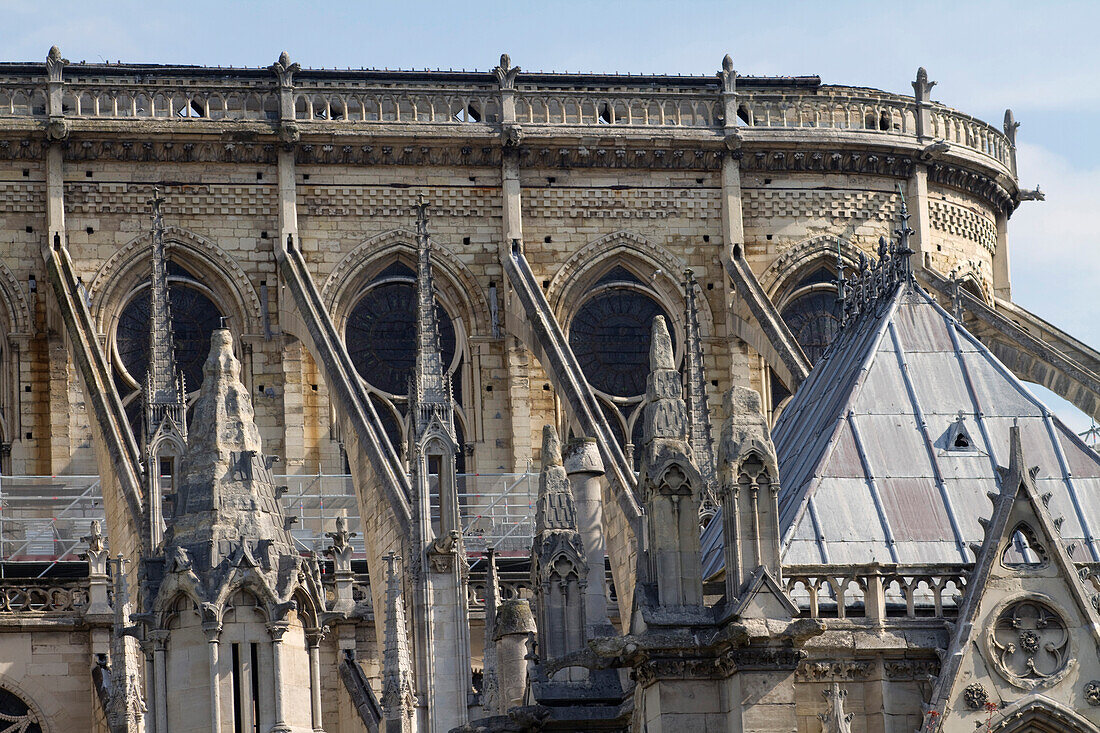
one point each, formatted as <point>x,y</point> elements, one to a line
<point>728,76</point>
<point>551,446</point>
<point>922,88</point>
<point>506,73</point>
<point>834,719</point>
<point>95,538</point>
<point>661,355</point>
<point>55,64</point>
<point>285,70</point>
<point>1011,125</point>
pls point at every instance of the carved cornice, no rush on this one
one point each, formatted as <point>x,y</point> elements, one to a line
<point>920,670</point>
<point>833,670</point>
<point>24,149</point>
<point>838,161</point>
<point>973,183</point>
<point>168,151</point>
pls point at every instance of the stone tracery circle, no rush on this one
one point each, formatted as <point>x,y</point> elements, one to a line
<point>1029,643</point>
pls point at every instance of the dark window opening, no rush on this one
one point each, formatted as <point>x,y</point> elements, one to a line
<point>962,441</point>
<point>610,336</point>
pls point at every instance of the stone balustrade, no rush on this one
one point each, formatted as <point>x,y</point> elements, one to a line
<point>451,99</point>
<point>26,596</point>
<point>876,592</point>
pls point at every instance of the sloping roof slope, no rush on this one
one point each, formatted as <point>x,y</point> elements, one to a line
<point>870,462</point>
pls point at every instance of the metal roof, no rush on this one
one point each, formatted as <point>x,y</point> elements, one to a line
<point>867,456</point>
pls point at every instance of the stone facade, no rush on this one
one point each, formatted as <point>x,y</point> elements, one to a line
<point>292,224</point>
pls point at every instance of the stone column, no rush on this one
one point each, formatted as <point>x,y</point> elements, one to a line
<point>514,622</point>
<point>1002,280</point>
<point>916,200</point>
<point>313,642</point>
<point>149,652</point>
<point>160,680</point>
<point>277,630</point>
<point>584,466</point>
<point>213,634</point>
<point>732,236</point>
<point>922,95</point>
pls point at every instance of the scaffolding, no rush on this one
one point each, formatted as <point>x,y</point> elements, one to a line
<point>42,518</point>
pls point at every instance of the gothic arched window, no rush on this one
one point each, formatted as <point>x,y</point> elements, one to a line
<point>195,315</point>
<point>16,715</point>
<point>380,336</point>
<point>610,336</point>
<point>811,312</point>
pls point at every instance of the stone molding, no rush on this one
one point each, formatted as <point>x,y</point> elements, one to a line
<point>572,280</point>
<point>20,318</point>
<point>104,288</point>
<point>460,285</point>
<point>833,670</point>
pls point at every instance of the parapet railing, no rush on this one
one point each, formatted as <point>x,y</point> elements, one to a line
<point>876,592</point>
<point>49,595</point>
<point>170,94</point>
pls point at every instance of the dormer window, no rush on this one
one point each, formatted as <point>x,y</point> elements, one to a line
<point>958,437</point>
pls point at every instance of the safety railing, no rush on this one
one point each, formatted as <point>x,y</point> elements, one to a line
<point>44,517</point>
<point>876,592</point>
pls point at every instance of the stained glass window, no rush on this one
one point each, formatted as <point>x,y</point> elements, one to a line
<point>381,335</point>
<point>16,715</point>
<point>194,318</point>
<point>610,337</point>
<point>812,314</point>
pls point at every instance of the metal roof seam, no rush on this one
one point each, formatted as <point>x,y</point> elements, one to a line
<point>1067,478</point>
<point>929,448</point>
<point>865,341</point>
<point>869,476</point>
<point>979,412</point>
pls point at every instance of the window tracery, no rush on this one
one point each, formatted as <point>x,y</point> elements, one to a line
<point>195,316</point>
<point>16,715</point>
<point>380,335</point>
<point>1030,643</point>
<point>610,335</point>
<point>811,312</point>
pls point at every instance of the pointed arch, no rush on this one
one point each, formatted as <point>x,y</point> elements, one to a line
<point>42,717</point>
<point>20,320</point>
<point>969,276</point>
<point>1040,714</point>
<point>458,286</point>
<point>805,257</point>
<point>116,279</point>
<point>650,263</point>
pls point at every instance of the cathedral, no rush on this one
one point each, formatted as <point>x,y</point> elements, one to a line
<point>510,401</point>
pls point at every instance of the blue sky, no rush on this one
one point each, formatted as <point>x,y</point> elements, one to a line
<point>1038,58</point>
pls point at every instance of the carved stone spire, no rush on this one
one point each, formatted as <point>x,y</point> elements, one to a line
<point>559,569</point>
<point>430,392</point>
<point>670,483</point>
<point>490,678</point>
<point>834,719</point>
<point>698,407</point>
<point>125,707</point>
<point>398,695</point>
<point>165,396</point>
<point>749,493</point>
<point>226,500</point>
